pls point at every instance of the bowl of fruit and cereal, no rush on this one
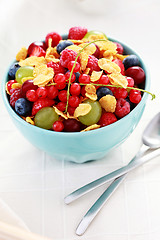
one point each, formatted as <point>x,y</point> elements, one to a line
<point>76,96</point>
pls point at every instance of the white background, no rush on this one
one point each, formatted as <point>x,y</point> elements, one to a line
<point>34,184</point>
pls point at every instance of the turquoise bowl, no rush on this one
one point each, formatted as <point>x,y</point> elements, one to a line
<point>80,147</point>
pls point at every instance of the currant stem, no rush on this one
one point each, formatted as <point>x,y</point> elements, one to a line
<point>69,80</point>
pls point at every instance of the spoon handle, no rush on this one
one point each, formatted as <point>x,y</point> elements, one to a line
<point>135,162</point>
<point>97,206</point>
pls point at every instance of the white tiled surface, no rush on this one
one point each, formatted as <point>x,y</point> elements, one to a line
<point>34,184</point>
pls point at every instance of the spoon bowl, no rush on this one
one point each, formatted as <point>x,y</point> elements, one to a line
<point>151,134</point>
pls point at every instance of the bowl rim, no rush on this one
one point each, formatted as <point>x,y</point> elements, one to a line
<point>73,134</point>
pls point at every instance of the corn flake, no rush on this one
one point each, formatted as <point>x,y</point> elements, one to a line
<point>108,66</point>
<point>91,92</point>
<point>82,109</point>
<point>107,46</point>
<point>22,54</point>
<point>16,85</point>
<point>86,71</point>
<point>121,57</point>
<point>108,102</point>
<point>92,127</point>
<point>42,75</point>
<point>77,42</point>
<point>95,76</point>
<point>118,79</point>
<point>90,49</point>
<point>32,61</point>
<point>60,113</point>
<point>83,60</point>
<point>74,48</point>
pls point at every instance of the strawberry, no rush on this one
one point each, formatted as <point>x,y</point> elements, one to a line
<point>38,52</point>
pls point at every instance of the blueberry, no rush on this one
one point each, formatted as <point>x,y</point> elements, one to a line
<point>131,60</point>
<point>23,107</point>
<point>62,45</point>
<point>103,91</point>
<point>12,71</point>
<point>77,74</point>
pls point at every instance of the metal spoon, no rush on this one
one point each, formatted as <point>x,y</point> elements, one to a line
<point>151,139</point>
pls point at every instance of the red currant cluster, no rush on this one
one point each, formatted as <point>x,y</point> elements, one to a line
<point>68,72</point>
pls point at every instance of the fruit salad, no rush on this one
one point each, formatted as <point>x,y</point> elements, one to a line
<point>79,83</point>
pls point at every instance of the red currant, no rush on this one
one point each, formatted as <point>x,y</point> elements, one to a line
<point>119,48</point>
<point>67,75</point>
<point>83,91</point>
<point>130,82</point>
<point>84,78</point>
<point>9,85</point>
<point>135,96</point>
<point>60,80</point>
<point>74,101</point>
<point>52,92</point>
<point>41,92</point>
<point>61,106</point>
<point>103,80</point>
<point>120,93</point>
<point>27,85</point>
<point>55,38</point>
<point>76,68</point>
<point>62,95</point>
<point>58,126</point>
<point>71,110</point>
<point>31,95</point>
<point>120,64</point>
<point>75,89</point>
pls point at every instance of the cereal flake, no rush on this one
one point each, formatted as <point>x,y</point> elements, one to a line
<point>108,102</point>
<point>82,109</point>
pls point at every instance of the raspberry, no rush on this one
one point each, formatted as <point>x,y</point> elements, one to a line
<point>15,96</point>
<point>41,103</point>
<point>77,33</point>
<point>93,63</point>
<point>107,118</point>
<point>67,55</point>
<point>56,67</point>
<point>122,108</point>
<point>55,38</point>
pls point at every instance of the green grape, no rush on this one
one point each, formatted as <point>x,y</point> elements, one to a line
<point>22,72</point>
<point>94,33</point>
<point>45,117</point>
<point>94,115</point>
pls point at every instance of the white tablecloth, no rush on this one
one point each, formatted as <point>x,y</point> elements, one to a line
<point>34,184</point>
